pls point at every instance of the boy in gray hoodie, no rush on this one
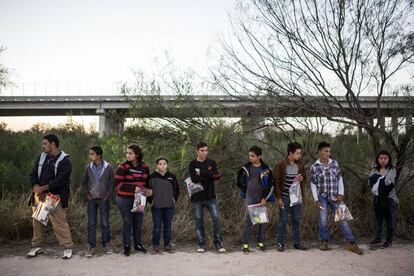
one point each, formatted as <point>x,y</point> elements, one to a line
<point>97,183</point>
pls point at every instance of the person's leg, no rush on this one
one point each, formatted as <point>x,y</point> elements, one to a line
<point>38,232</point>
<point>295,212</point>
<point>390,219</point>
<point>156,226</point>
<point>379,219</point>
<point>167,217</point>
<point>283,218</point>
<point>137,227</point>
<point>92,214</point>
<point>323,218</point>
<point>345,228</point>
<point>104,212</point>
<point>246,227</point>
<point>215,216</point>
<point>125,209</point>
<point>61,227</point>
<point>198,209</point>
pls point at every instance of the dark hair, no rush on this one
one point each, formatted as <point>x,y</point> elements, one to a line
<point>161,158</point>
<point>138,151</point>
<point>377,164</point>
<point>256,150</point>
<point>293,146</point>
<point>201,144</point>
<point>323,144</point>
<point>52,138</point>
<point>98,150</point>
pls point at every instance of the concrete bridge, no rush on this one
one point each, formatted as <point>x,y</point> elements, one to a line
<point>112,110</point>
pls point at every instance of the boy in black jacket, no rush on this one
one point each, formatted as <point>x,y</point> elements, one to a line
<point>163,195</point>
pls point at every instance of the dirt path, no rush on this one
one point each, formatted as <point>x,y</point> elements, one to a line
<point>398,260</point>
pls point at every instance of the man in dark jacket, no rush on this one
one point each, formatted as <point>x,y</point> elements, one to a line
<point>51,173</point>
<point>203,170</point>
<point>255,182</point>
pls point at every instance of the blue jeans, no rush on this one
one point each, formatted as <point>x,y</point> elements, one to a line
<point>386,212</point>
<point>323,220</point>
<point>164,217</point>
<point>295,212</point>
<point>103,206</point>
<point>248,223</point>
<point>212,207</point>
<point>131,220</point>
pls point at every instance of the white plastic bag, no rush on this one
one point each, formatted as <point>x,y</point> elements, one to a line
<point>342,213</point>
<point>140,202</point>
<point>295,194</point>
<point>45,208</point>
<point>258,214</point>
<point>192,187</point>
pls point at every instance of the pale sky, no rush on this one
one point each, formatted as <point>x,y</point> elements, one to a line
<point>103,41</point>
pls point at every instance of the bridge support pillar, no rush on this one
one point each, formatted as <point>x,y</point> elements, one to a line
<point>110,123</point>
<point>254,125</point>
<point>408,123</point>
<point>359,134</point>
<point>394,128</point>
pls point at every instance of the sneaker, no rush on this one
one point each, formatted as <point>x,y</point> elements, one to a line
<point>67,254</point>
<point>108,249</point>
<point>299,246</point>
<point>246,248</point>
<point>168,248</point>
<point>140,249</point>
<point>219,247</point>
<point>34,251</point>
<point>89,251</point>
<point>201,249</point>
<point>280,247</point>
<point>261,246</point>
<point>127,251</point>
<point>353,247</point>
<point>324,246</point>
<point>386,244</point>
<point>155,249</point>
<point>375,242</point>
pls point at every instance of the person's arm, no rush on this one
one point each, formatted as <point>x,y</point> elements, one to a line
<point>193,174</point>
<point>390,178</point>
<point>314,183</point>
<point>85,180</point>
<point>62,175</point>
<point>269,187</point>
<point>241,180</point>
<point>148,185</point>
<point>209,174</point>
<point>120,176</point>
<point>340,179</point>
<point>302,183</point>
<point>176,189</point>
<point>34,180</point>
<point>111,180</point>
<point>278,191</point>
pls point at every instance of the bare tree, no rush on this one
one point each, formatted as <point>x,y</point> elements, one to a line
<point>326,57</point>
<point>4,73</point>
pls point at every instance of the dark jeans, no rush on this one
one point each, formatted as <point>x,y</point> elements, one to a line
<point>295,212</point>
<point>131,219</point>
<point>386,212</point>
<point>103,206</point>
<point>248,223</point>
<point>164,217</point>
<point>212,207</point>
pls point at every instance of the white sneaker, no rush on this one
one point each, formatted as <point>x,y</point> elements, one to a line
<point>67,254</point>
<point>201,249</point>
<point>34,251</point>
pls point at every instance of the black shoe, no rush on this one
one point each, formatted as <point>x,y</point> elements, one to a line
<point>375,242</point>
<point>386,244</point>
<point>246,248</point>
<point>299,246</point>
<point>280,247</point>
<point>140,249</point>
<point>261,246</point>
<point>127,251</point>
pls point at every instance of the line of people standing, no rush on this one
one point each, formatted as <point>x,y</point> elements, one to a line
<point>257,182</point>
